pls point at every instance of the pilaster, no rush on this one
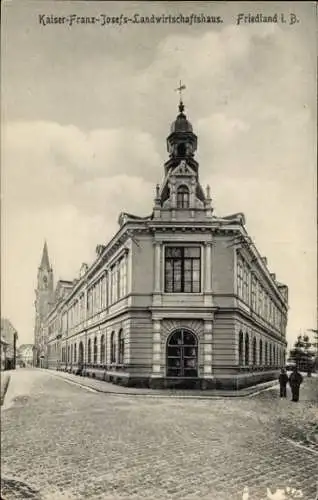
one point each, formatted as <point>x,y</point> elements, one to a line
<point>208,273</point>
<point>157,273</point>
<point>156,349</point>
<point>207,353</point>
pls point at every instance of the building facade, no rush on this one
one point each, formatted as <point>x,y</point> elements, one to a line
<point>178,298</point>
<point>25,355</point>
<point>8,345</point>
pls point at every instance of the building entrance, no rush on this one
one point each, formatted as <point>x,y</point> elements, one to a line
<point>182,354</point>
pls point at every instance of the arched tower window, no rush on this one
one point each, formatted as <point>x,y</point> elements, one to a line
<point>183,197</point>
<point>181,149</point>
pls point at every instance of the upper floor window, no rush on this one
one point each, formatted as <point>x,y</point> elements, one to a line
<point>253,293</point>
<point>183,197</point>
<point>113,284</point>
<point>240,278</point>
<point>183,269</point>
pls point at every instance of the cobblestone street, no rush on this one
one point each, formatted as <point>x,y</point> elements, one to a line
<point>60,440</point>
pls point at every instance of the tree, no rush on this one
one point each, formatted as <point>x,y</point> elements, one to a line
<point>303,354</point>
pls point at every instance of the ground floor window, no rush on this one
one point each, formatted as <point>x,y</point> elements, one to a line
<point>182,354</point>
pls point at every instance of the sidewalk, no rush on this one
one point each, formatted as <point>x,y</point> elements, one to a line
<point>19,386</point>
<point>107,388</point>
<point>5,380</point>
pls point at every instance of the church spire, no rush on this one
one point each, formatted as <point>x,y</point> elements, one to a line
<point>45,263</point>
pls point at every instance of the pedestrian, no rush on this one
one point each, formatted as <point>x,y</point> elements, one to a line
<point>283,379</point>
<point>295,380</point>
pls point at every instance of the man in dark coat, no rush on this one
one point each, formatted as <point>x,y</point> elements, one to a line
<point>283,379</point>
<point>295,380</point>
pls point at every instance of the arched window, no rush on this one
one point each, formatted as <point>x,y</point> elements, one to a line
<point>181,149</point>
<point>241,349</point>
<point>112,348</point>
<point>89,351</point>
<point>183,197</point>
<point>80,354</point>
<point>75,353</point>
<point>254,352</point>
<point>260,352</point>
<point>182,354</point>
<point>247,350</point>
<point>266,353</point>
<point>121,347</point>
<point>95,350</point>
<point>102,349</point>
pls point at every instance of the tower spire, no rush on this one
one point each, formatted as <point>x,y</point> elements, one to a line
<point>180,89</point>
<point>45,263</point>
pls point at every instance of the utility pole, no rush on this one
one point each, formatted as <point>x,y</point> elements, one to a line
<point>15,337</point>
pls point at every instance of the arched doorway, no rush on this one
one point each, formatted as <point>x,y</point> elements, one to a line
<point>80,355</point>
<point>182,354</point>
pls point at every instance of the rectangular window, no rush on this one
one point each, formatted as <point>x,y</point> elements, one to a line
<point>253,294</point>
<point>103,292</point>
<point>118,272</point>
<point>240,278</point>
<point>246,284</point>
<point>183,269</point>
<point>122,277</point>
<point>113,278</point>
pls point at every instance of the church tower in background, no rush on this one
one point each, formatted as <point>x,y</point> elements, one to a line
<point>43,300</point>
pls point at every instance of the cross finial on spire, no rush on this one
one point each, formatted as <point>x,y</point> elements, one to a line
<point>180,89</point>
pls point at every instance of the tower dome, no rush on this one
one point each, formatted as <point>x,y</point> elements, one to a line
<point>181,124</point>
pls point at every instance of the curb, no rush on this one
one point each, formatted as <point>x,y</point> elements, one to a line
<point>248,392</point>
<point>310,439</point>
<point>4,388</point>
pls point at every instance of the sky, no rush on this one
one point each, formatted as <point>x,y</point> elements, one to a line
<point>86,110</point>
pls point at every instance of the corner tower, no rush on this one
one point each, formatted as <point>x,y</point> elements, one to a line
<point>43,301</point>
<point>181,196</point>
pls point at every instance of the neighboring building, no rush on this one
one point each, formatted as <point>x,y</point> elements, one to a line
<point>9,339</point>
<point>25,355</point>
<point>178,298</point>
<point>3,352</point>
<point>43,302</point>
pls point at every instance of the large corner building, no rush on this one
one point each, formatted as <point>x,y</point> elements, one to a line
<point>177,298</point>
